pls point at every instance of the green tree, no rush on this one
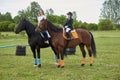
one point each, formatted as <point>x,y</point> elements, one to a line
<point>84,25</point>
<point>77,24</point>
<point>105,24</point>
<point>47,12</point>
<point>8,16</point>
<point>61,19</point>
<point>92,26</point>
<point>31,12</point>
<point>2,18</point>
<point>22,14</point>
<point>58,20</point>
<point>16,19</point>
<point>11,27</point>
<point>111,10</point>
<point>35,7</point>
<point>52,18</point>
<point>50,11</point>
<point>74,15</point>
<point>4,25</point>
<point>5,17</point>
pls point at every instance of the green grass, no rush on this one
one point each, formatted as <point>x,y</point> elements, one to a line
<point>106,65</point>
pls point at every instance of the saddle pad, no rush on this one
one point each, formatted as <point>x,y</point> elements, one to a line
<point>74,34</point>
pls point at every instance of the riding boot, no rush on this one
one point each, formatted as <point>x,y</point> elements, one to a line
<point>68,36</point>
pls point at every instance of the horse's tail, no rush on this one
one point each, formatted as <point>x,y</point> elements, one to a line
<point>93,46</point>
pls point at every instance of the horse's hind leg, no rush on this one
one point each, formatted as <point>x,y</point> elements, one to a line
<point>58,60</point>
<point>38,54</point>
<point>83,54</point>
<point>90,54</point>
<point>62,60</point>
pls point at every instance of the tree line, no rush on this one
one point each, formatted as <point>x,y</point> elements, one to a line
<point>110,17</point>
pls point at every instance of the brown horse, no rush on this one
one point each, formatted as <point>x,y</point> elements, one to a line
<point>85,38</point>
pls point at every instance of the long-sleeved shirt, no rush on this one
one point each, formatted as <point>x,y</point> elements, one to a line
<point>41,17</point>
<point>69,23</point>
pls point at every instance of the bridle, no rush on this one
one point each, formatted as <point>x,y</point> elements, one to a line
<point>43,24</point>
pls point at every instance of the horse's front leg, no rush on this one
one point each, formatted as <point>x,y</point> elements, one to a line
<point>34,55</point>
<point>38,55</point>
<point>56,58</point>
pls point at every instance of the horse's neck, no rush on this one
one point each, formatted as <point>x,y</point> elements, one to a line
<point>30,32</point>
<point>52,33</point>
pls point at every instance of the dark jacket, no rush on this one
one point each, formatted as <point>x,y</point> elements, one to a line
<point>69,23</point>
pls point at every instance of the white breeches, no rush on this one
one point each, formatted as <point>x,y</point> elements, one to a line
<point>67,29</point>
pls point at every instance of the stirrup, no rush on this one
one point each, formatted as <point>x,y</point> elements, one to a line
<point>47,42</point>
<point>68,38</point>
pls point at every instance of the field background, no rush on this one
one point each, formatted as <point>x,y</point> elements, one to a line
<point>106,66</point>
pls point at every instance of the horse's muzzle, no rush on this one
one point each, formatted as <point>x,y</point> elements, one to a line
<point>16,31</point>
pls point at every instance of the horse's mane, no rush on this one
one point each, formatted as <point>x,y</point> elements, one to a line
<point>30,24</point>
<point>53,27</point>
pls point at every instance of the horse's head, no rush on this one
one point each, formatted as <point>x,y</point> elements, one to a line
<point>21,26</point>
<point>42,25</point>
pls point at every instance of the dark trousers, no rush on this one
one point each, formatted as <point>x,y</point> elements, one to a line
<point>68,35</point>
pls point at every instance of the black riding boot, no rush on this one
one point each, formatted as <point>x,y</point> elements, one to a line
<point>68,36</point>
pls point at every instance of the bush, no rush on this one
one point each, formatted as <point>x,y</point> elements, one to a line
<point>57,25</point>
<point>84,25</point>
<point>52,18</point>
<point>22,33</point>
<point>61,19</point>
<point>11,26</point>
<point>117,26</point>
<point>34,23</point>
<point>92,26</point>
<point>4,25</point>
<point>76,24</point>
<point>105,24</point>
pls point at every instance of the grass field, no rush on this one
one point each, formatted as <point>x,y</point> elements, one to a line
<point>106,66</point>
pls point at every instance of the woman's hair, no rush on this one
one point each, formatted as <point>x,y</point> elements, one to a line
<point>41,12</point>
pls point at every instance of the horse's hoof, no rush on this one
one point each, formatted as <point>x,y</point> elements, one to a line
<point>39,65</point>
<point>35,65</point>
<point>82,64</point>
<point>62,66</point>
<point>58,66</point>
<point>91,65</point>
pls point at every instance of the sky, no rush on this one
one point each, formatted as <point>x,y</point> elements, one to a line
<point>87,10</point>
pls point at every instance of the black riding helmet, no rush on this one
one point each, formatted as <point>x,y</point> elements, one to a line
<point>69,13</point>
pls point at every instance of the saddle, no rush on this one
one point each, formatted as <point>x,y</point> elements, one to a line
<point>74,34</point>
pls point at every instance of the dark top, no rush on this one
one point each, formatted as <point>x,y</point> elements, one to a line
<point>69,23</point>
